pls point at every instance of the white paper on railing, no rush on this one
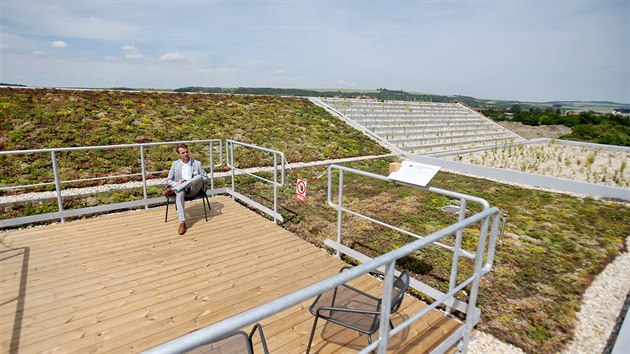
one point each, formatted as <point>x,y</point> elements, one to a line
<point>415,173</point>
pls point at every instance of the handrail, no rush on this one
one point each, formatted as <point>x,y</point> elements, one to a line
<point>441,298</point>
<point>61,214</point>
<point>340,208</point>
<point>216,330</point>
<point>277,155</point>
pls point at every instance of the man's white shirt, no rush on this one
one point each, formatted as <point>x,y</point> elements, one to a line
<point>187,170</point>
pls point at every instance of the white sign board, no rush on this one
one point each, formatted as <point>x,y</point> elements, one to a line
<point>415,173</point>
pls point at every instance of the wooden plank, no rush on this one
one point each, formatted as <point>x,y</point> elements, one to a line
<point>80,281</point>
<point>179,291</point>
<point>318,274</point>
<point>128,282</point>
<point>168,243</point>
<point>201,264</point>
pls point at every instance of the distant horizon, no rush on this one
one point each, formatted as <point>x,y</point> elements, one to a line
<point>319,89</point>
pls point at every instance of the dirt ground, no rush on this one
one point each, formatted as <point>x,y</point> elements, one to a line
<point>531,132</point>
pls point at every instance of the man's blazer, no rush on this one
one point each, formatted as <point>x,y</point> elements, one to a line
<point>175,173</point>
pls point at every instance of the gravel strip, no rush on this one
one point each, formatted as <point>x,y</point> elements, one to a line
<point>601,305</point>
<point>484,343</point>
<point>585,163</point>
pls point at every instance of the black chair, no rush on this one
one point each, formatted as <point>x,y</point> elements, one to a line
<point>234,343</point>
<point>202,194</point>
<point>355,309</point>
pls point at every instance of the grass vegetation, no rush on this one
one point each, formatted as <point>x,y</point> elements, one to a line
<point>48,118</point>
<point>553,247</point>
<point>599,166</point>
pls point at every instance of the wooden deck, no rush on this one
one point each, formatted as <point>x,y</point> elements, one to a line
<point>128,282</point>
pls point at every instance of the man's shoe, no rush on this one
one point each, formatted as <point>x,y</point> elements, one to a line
<point>182,228</point>
<point>169,192</point>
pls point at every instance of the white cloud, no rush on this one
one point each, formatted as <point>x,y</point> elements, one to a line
<point>279,71</point>
<point>172,57</point>
<point>130,51</point>
<point>109,57</point>
<point>38,53</point>
<point>4,46</point>
<point>66,20</point>
<point>58,44</point>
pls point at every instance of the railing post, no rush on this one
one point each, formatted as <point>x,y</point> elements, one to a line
<point>472,300</point>
<point>275,188</point>
<point>386,308</point>
<point>284,160</point>
<point>339,211</point>
<point>57,185</point>
<point>496,219</point>
<point>456,249</point>
<point>144,178</point>
<point>230,150</point>
<point>211,166</point>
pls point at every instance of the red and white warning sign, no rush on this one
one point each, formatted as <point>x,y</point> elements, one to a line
<point>300,190</point>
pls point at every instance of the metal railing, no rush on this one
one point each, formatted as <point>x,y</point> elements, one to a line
<point>447,299</point>
<point>387,261</point>
<point>61,214</point>
<point>278,160</point>
<point>279,165</point>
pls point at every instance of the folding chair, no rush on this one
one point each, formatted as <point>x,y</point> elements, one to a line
<point>355,309</point>
<point>202,194</point>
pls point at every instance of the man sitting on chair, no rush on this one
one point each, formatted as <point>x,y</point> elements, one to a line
<point>185,179</point>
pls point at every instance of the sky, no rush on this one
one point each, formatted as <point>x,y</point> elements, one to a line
<point>523,50</point>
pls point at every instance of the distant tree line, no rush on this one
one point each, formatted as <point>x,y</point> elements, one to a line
<point>612,129</point>
<point>380,94</point>
<point>250,91</point>
<point>17,85</point>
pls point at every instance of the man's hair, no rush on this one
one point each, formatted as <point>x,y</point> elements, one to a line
<point>180,146</point>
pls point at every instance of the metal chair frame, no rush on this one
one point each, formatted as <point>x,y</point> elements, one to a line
<point>401,283</point>
<point>202,194</point>
<point>247,343</point>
